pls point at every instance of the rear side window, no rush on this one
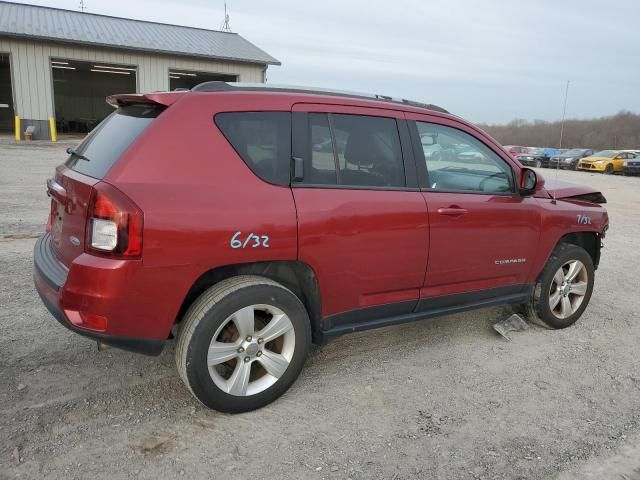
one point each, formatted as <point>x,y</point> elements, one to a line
<point>354,150</point>
<point>323,159</point>
<point>263,141</point>
<point>108,141</point>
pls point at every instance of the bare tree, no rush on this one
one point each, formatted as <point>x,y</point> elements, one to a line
<point>619,131</point>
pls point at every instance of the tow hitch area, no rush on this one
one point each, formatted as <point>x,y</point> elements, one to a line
<point>514,323</point>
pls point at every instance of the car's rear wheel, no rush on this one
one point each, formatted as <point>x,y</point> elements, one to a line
<point>538,163</point>
<point>608,169</point>
<point>564,287</point>
<point>243,343</point>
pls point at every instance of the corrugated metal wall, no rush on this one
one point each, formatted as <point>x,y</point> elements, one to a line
<point>31,70</point>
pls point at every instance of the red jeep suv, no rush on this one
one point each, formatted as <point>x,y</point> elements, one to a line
<point>249,221</point>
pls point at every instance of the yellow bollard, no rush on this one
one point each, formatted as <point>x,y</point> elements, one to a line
<point>17,125</point>
<point>52,129</point>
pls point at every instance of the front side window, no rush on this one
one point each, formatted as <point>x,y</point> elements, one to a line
<point>263,141</point>
<point>354,150</point>
<point>457,161</point>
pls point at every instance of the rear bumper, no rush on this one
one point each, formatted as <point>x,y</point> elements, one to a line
<point>50,279</point>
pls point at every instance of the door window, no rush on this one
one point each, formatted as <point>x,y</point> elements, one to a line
<point>456,161</point>
<point>354,150</point>
<point>262,140</point>
<point>323,163</point>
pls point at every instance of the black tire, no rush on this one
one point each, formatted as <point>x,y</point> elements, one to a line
<point>538,163</point>
<point>539,309</point>
<point>205,317</point>
<point>608,169</point>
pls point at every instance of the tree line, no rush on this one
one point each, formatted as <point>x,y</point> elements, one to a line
<point>619,131</point>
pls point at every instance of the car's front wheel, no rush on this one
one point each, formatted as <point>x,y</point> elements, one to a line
<point>243,343</point>
<point>608,169</point>
<point>564,288</point>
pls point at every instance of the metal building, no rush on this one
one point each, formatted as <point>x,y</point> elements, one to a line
<point>57,66</point>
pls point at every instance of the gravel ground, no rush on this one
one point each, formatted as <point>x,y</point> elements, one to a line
<point>446,398</point>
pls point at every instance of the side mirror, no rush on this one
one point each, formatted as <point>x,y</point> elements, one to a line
<point>530,182</point>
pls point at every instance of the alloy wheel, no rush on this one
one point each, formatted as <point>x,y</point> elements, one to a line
<point>568,289</point>
<point>251,350</point>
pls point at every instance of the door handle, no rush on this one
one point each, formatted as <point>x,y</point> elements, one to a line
<point>453,211</point>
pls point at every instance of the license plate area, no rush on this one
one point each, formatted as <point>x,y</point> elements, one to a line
<point>57,221</point>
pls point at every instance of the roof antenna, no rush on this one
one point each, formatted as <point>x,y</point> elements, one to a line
<point>564,114</point>
<point>82,6</point>
<point>225,25</point>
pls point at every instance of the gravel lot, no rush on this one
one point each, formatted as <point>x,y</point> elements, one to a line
<point>446,398</point>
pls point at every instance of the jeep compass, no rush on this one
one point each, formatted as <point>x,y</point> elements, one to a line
<point>248,221</point>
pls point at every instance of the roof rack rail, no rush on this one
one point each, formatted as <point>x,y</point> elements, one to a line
<point>220,86</point>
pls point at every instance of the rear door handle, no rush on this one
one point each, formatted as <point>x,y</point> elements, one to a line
<point>452,211</point>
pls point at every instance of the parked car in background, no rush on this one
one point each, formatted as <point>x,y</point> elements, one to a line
<point>606,161</point>
<point>569,159</point>
<point>535,157</point>
<point>632,166</point>
<point>516,150</point>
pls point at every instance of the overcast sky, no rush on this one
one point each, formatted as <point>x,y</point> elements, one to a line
<point>487,61</point>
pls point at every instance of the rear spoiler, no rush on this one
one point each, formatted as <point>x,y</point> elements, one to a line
<point>160,98</point>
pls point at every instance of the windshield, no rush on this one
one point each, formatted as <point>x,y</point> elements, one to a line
<point>108,141</point>
<point>574,151</point>
<point>606,153</point>
<point>535,151</point>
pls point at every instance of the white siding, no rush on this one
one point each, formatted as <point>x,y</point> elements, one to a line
<point>31,71</point>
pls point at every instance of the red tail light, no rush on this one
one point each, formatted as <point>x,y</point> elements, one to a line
<point>114,224</point>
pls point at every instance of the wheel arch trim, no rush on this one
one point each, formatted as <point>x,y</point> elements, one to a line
<point>297,276</point>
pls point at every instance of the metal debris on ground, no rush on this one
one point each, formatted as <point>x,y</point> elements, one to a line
<point>515,323</point>
<point>17,459</point>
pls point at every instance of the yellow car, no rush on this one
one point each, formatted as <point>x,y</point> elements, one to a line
<point>607,161</point>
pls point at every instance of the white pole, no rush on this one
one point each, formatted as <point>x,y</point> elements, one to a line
<point>564,112</point>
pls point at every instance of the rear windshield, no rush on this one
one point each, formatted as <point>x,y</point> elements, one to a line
<point>104,145</point>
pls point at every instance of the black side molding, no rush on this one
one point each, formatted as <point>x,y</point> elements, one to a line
<point>427,308</point>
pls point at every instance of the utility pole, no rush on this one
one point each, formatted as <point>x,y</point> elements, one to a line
<point>564,113</point>
<point>82,6</point>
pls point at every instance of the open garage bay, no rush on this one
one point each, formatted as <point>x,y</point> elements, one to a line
<point>79,90</point>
